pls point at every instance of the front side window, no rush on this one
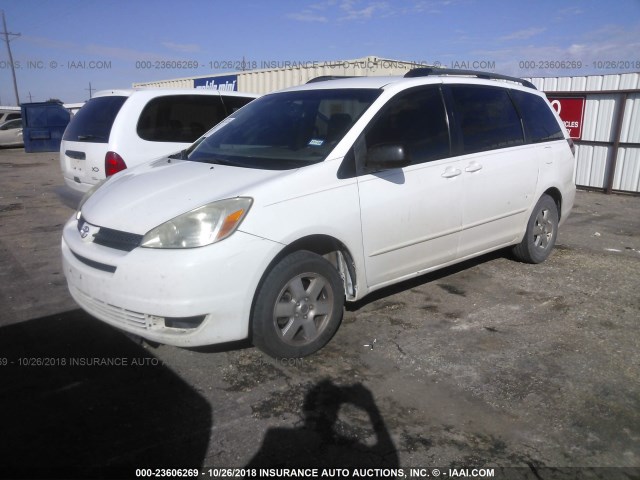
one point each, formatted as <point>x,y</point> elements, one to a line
<point>285,130</point>
<point>539,122</point>
<point>487,118</point>
<point>416,120</point>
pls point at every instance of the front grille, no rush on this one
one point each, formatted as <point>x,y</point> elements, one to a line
<point>117,239</point>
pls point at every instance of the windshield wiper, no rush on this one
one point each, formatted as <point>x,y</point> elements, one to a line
<point>90,137</point>
<point>214,160</point>
<point>221,161</point>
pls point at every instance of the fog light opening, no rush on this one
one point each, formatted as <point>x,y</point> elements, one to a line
<point>184,322</point>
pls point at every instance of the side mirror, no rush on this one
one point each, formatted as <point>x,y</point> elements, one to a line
<point>387,156</point>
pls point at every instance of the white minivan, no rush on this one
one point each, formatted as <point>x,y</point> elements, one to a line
<point>317,195</point>
<point>119,129</point>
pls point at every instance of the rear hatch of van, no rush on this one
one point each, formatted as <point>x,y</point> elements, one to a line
<point>86,139</point>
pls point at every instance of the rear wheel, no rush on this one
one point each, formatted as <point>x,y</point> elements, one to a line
<point>299,306</point>
<point>541,233</point>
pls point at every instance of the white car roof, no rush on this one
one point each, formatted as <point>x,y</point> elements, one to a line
<point>405,82</point>
<point>159,92</point>
<point>348,82</point>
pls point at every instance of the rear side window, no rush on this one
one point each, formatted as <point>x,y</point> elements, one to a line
<point>94,120</point>
<point>487,118</point>
<point>417,120</point>
<point>539,122</point>
<point>13,116</point>
<point>184,118</point>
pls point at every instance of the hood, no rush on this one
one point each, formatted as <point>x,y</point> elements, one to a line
<point>142,198</point>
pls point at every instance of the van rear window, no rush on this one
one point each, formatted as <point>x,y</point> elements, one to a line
<point>94,120</point>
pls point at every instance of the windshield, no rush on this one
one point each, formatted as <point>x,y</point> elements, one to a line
<point>284,130</point>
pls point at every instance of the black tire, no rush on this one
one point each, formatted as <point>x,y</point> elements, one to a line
<point>542,230</point>
<point>299,306</point>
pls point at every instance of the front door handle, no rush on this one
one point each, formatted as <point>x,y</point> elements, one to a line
<point>451,172</point>
<point>473,167</point>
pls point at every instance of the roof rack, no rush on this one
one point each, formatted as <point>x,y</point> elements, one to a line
<point>324,78</point>
<point>428,71</point>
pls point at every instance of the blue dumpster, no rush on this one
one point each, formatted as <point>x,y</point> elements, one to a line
<point>43,125</point>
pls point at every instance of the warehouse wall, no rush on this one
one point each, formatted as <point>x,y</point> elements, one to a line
<point>599,163</point>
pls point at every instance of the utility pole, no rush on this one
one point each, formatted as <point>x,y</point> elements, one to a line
<point>13,70</point>
<point>30,98</point>
<point>90,91</point>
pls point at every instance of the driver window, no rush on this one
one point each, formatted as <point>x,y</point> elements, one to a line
<point>417,120</point>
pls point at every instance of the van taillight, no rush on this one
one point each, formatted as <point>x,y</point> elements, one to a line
<point>113,163</point>
<point>572,146</point>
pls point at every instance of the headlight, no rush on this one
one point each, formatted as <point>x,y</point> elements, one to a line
<point>203,226</point>
<point>87,195</point>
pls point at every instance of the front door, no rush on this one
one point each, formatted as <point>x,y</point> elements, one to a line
<point>411,216</point>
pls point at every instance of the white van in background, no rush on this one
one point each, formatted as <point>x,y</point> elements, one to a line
<point>118,129</point>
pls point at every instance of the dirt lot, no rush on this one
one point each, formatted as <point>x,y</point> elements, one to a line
<point>492,363</point>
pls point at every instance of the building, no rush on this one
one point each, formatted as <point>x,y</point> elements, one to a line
<point>285,74</point>
<point>603,113</point>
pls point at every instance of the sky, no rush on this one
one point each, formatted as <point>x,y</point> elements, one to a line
<point>66,46</point>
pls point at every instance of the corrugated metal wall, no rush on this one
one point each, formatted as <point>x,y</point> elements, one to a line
<point>176,83</point>
<point>601,115</point>
<point>265,81</point>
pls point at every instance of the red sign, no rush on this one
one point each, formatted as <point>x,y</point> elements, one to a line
<point>571,111</point>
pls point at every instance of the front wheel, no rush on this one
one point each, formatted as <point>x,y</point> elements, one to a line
<point>542,230</point>
<point>299,306</point>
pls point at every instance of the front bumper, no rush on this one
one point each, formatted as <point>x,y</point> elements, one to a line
<point>136,291</point>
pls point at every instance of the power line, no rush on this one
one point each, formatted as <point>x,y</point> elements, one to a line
<point>7,40</point>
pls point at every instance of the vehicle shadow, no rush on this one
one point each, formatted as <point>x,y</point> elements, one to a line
<point>426,278</point>
<point>78,396</point>
<point>324,440</point>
